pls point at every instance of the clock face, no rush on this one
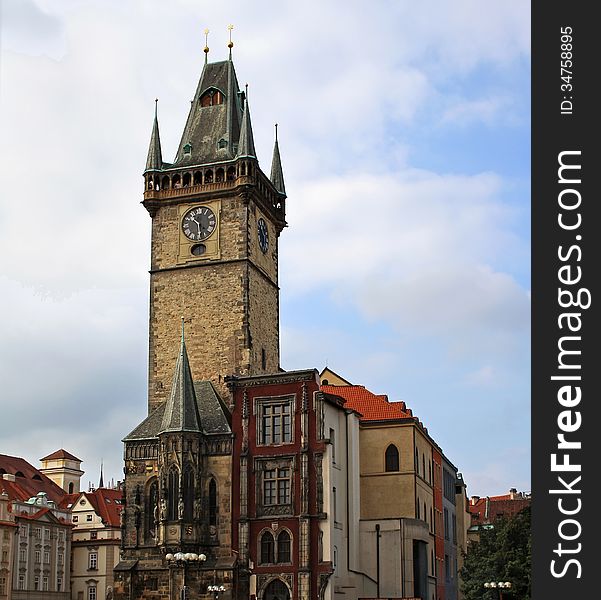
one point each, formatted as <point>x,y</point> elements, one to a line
<point>199,223</point>
<point>263,235</point>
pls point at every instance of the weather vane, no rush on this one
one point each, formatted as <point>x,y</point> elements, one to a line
<point>206,48</point>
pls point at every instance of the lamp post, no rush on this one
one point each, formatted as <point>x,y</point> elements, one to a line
<point>216,589</point>
<point>183,559</point>
<point>499,585</point>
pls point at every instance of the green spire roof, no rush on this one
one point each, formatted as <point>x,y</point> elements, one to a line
<point>154,161</point>
<point>212,129</point>
<point>181,411</point>
<point>277,175</point>
<point>246,146</point>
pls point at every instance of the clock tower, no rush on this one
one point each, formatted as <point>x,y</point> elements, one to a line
<point>216,221</point>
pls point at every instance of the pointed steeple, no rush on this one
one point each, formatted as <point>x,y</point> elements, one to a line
<point>101,482</point>
<point>154,162</point>
<point>246,145</point>
<point>181,411</point>
<point>213,125</point>
<point>277,175</point>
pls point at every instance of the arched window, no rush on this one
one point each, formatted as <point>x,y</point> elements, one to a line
<point>212,502</point>
<point>284,547</point>
<point>197,178</point>
<point>211,97</point>
<point>416,462</point>
<point>209,176</point>
<point>151,501</point>
<point>173,494</point>
<point>392,458</point>
<point>187,179</point>
<point>276,590</point>
<point>267,548</point>
<point>71,488</point>
<point>231,174</point>
<point>188,493</point>
<point>219,175</point>
<point>165,183</point>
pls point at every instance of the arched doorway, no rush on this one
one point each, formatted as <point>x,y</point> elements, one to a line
<point>276,590</point>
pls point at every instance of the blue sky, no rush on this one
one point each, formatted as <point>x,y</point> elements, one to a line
<point>405,141</point>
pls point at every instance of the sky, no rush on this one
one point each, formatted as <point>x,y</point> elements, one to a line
<point>404,132</point>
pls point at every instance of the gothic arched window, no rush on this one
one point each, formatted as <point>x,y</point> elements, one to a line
<point>188,493</point>
<point>392,458</point>
<point>151,501</point>
<point>267,548</point>
<point>284,547</point>
<point>212,502</point>
<point>276,590</point>
<point>173,494</point>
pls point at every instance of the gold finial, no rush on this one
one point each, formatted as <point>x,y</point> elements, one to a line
<point>230,43</point>
<point>206,48</point>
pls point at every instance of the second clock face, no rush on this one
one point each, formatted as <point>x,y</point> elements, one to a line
<point>263,235</point>
<point>199,223</point>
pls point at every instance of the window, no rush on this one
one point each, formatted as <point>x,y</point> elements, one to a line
<point>22,555</point>
<point>454,524</point>
<point>46,533</point>
<point>61,536</point>
<point>93,561</point>
<point>5,534</point>
<point>23,530</point>
<point>2,586</point>
<point>46,557</point>
<point>333,442</point>
<point>88,518</point>
<point>275,422</point>
<point>188,493</point>
<point>93,535</point>
<point>38,556</point>
<point>21,584</point>
<point>446,524</point>
<point>284,547</point>
<point>416,462</point>
<point>276,486</point>
<point>92,592</point>
<point>263,359</point>
<point>75,518</point>
<point>447,567</point>
<point>334,505</point>
<point>418,515</point>
<point>60,558</point>
<point>151,513</point>
<point>267,548</point>
<point>4,555</point>
<point>45,584</point>
<point>36,583</point>
<point>59,584</point>
<point>335,557</point>
<point>37,532</point>
<point>173,494</point>
<point>212,502</point>
<point>391,458</point>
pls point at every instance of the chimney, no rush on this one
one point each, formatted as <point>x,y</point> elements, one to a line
<point>474,500</point>
<point>513,493</point>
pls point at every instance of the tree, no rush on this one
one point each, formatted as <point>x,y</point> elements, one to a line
<point>502,554</point>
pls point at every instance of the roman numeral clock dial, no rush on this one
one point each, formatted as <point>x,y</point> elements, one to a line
<point>199,223</point>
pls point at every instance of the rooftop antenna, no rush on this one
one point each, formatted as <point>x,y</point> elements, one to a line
<point>206,48</point>
<point>230,43</point>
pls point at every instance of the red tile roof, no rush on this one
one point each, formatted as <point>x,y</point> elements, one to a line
<point>28,480</point>
<point>61,454</point>
<point>371,407</point>
<point>105,501</point>
<point>487,510</point>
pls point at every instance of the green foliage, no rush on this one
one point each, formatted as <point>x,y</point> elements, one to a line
<point>502,554</point>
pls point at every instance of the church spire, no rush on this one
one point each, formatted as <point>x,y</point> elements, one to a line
<point>181,411</point>
<point>277,175</point>
<point>101,482</point>
<point>246,146</point>
<point>154,162</point>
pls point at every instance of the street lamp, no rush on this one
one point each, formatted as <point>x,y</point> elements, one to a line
<point>216,589</point>
<point>500,585</point>
<point>183,559</point>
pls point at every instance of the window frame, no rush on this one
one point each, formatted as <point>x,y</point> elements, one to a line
<point>391,459</point>
<point>285,430</point>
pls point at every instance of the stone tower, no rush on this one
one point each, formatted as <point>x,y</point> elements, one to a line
<point>216,219</point>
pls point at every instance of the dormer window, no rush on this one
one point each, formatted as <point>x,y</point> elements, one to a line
<point>211,97</point>
<point>187,149</point>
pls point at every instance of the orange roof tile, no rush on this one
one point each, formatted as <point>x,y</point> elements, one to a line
<point>372,407</point>
<point>28,480</point>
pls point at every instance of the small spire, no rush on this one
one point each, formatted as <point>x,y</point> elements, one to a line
<point>154,160</point>
<point>246,144</point>
<point>277,175</point>
<point>101,482</point>
<point>230,43</point>
<point>206,48</point>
